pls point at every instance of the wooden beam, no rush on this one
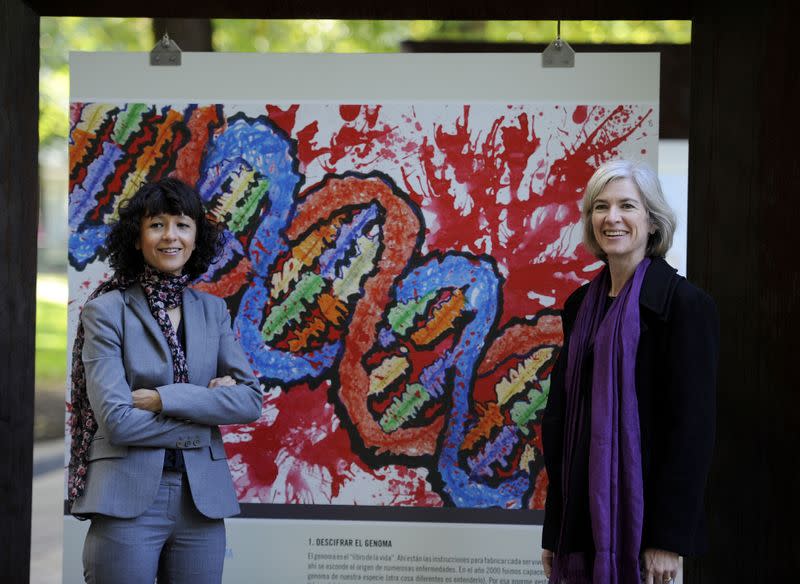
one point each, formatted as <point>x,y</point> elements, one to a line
<point>368,9</point>
<point>19,198</point>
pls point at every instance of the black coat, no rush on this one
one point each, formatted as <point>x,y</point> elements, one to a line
<point>676,367</point>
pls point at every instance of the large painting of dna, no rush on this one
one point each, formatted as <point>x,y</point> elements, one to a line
<point>394,272</point>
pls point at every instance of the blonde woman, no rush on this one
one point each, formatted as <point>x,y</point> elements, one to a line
<point>629,427</point>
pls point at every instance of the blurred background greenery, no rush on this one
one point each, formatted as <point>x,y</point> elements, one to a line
<point>61,35</point>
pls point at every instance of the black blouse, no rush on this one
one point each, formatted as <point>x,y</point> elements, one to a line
<point>173,458</point>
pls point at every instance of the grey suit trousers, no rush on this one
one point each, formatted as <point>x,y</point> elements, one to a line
<point>171,540</point>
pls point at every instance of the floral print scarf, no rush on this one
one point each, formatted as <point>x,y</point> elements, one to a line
<point>163,292</point>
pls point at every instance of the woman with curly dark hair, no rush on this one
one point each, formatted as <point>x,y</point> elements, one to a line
<point>155,370</point>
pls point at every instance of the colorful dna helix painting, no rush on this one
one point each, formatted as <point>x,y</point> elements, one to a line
<point>405,357</point>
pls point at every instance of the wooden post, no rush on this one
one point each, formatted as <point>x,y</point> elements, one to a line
<point>744,216</point>
<point>19,197</point>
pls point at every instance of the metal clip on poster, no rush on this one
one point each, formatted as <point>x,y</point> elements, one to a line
<point>558,53</point>
<point>165,53</point>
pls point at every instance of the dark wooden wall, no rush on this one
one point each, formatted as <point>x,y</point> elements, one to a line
<point>19,200</point>
<point>744,209</point>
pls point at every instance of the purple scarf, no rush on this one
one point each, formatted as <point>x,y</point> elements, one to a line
<point>616,502</point>
<point>163,291</point>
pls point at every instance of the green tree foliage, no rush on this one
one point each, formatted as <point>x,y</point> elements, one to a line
<point>380,36</point>
<point>59,36</point>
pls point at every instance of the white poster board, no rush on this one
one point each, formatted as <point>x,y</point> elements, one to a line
<point>488,152</point>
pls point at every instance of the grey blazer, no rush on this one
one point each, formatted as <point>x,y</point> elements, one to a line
<point>126,350</point>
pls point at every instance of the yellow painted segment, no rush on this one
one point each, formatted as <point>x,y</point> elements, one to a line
<point>289,274</point>
<point>386,373</point>
<point>348,284</point>
<point>515,381</point>
<point>527,457</point>
<point>239,186</point>
<point>92,117</point>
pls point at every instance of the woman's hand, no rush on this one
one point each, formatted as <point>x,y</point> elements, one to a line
<point>222,381</point>
<point>547,562</point>
<point>147,399</point>
<point>659,566</point>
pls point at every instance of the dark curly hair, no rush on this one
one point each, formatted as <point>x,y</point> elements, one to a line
<point>171,196</point>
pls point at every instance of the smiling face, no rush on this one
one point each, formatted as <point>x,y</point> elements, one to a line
<point>167,241</point>
<point>620,222</point>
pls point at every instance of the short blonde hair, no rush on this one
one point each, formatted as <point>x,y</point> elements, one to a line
<point>660,213</point>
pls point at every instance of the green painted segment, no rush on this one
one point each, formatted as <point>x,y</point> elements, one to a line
<point>524,412</point>
<point>244,211</point>
<point>128,122</point>
<point>405,408</point>
<point>291,309</point>
<point>361,265</point>
<point>402,316</point>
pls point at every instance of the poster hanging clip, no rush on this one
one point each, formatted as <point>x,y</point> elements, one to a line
<point>165,53</point>
<point>558,53</point>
